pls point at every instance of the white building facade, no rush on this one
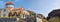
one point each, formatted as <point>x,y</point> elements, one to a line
<point>9,10</point>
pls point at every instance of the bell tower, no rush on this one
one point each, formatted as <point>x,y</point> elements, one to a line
<point>10,5</point>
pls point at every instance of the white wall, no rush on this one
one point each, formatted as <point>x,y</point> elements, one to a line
<point>39,20</point>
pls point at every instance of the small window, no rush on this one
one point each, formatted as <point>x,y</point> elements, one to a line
<point>4,10</point>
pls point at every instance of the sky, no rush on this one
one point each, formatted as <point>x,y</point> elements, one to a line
<point>38,6</point>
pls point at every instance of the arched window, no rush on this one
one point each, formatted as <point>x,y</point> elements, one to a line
<point>4,10</point>
<point>10,14</point>
<point>15,13</point>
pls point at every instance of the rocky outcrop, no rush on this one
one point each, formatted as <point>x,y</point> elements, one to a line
<point>54,16</point>
<point>40,16</point>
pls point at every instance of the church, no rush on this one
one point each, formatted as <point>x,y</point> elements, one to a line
<point>10,11</point>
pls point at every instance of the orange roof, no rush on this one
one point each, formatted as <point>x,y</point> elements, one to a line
<point>9,3</point>
<point>18,8</point>
<point>12,9</point>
